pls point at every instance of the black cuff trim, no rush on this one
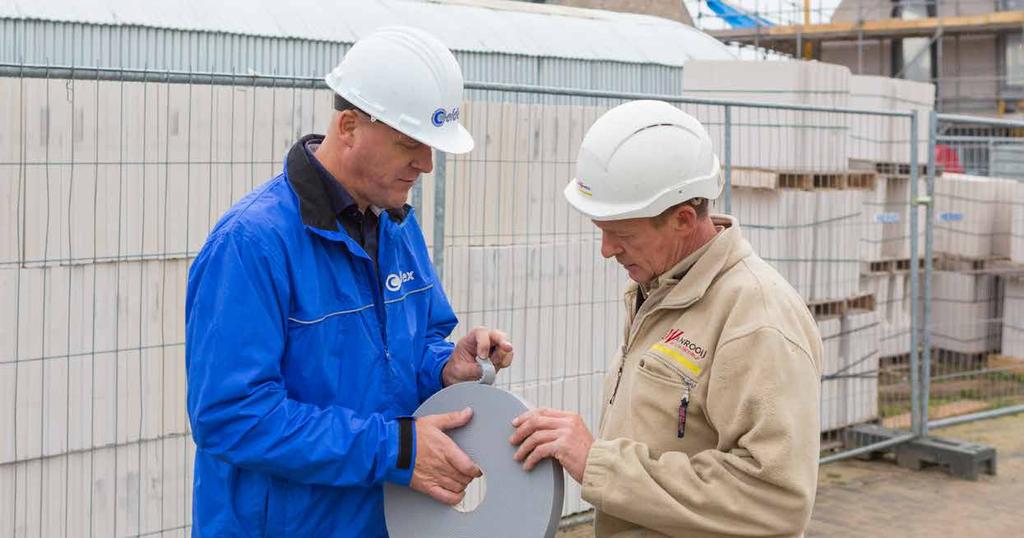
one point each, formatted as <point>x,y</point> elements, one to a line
<point>405,426</point>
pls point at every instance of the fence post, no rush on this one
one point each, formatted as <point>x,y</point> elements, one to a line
<point>929,229</point>
<point>439,210</point>
<point>915,304</point>
<point>727,157</point>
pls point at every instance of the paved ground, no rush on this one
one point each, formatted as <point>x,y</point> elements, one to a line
<point>877,498</point>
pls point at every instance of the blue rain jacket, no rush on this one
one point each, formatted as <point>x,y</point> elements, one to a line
<point>300,358</point>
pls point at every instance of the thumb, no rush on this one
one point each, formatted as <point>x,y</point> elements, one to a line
<point>455,419</point>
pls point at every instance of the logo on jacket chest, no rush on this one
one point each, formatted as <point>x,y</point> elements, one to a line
<point>677,339</point>
<point>394,281</point>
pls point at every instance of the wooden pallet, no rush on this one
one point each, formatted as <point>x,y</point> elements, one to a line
<point>837,307</point>
<point>761,178</point>
<point>990,359</point>
<point>891,265</point>
<point>893,169</point>
<point>994,265</point>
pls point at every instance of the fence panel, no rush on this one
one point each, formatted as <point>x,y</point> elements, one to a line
<point>110,181</point>
<point>976,300</point>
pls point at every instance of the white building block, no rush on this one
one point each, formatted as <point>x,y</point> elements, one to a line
<point>1016,246</point>
<point>811,237</point>
<point>893,305</point>
<point>1007,203</point>
<point>1013,318</point>
<point>778,139</point>
<point>849,391</point>
<point>909,95</point>
<point>966,208</point>
<point>870,136</point>
<point>963,312</point>
<point>886,216</point>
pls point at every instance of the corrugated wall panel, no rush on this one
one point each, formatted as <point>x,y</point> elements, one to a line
<point>127,47</point>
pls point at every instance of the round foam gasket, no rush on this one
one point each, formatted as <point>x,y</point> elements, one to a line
<point>516,504</point>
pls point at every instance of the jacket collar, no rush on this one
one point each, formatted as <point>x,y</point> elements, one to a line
<point>304,176</point>
<point>688,281</point>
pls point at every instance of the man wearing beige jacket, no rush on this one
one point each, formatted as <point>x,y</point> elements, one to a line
<point>710,419</point>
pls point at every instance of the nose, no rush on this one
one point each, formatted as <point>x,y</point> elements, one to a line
<point>609,247</point>
<point>423,159</point>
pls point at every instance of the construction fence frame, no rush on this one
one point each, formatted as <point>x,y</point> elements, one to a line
<point>111,178</point>
<point>973,341</point>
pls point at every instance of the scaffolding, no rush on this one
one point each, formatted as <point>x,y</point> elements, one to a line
<point>970,49</point>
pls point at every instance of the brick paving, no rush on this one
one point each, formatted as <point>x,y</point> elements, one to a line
<point>877,498</point>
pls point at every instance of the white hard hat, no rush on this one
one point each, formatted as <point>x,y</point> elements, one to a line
<point>641,158</point>
<point>408,79</point>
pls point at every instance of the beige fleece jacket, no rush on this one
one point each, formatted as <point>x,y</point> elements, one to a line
<point>724,331</point>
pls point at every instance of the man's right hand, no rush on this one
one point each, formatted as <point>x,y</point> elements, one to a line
<point>442,469</point>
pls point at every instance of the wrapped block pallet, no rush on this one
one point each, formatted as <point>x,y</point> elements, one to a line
<point>1013,318</point>
<point>975,215</point>
<point>886,218</point>
<point>777,139</point>
<point>964,312</point>
<point>849,388</point>
<point>810,237</point>
<point>887,139</point>
<point>892,300</point>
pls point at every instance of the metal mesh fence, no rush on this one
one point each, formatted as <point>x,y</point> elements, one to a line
<point>110,181</point>
<point>976,312</point>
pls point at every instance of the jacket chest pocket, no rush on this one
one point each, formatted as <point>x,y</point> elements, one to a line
<point>661,401</point>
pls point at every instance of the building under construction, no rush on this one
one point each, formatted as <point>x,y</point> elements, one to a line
<point>970,49</point>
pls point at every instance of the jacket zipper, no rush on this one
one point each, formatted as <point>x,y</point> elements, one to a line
<point>382,313</point>
<point>626,346</point>
<point>625,350</point>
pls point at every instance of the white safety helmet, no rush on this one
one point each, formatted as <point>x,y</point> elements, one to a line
<point>641,158</point>
<point>409,80</point>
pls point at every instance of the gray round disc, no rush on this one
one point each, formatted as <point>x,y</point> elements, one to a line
<point>516,504</point>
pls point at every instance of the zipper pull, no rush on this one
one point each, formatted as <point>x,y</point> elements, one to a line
<point>683,404</point>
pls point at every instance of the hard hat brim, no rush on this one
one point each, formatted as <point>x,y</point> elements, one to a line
<point>455,141</point>
<point>596,210</point>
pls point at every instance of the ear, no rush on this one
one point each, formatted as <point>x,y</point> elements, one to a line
<point>345,122</point>
<point>684,218</point>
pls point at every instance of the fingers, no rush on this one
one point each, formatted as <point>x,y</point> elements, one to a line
<point>545,450</point>
<point>533,424</point>
<point>461,462</point>
<point>533,441</point>
<point>540,412</point>
<point>487,340</point>
<point>445,496</point>
<point>449,421</point>
<point>454,483</point>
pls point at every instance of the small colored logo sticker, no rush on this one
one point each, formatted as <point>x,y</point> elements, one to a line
<point>583,188</point>
<point>951,217</point>
<point>441,117</point>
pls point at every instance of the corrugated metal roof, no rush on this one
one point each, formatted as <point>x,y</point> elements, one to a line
<point>486,26</point>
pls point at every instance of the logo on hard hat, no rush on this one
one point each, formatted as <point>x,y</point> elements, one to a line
<point>441,116</point>
<point>583,188</point>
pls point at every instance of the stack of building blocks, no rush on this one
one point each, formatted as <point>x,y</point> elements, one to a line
<point>849,388</point>
<point>785,140</point>
<point>1013,318</point>
<point>964,312</point>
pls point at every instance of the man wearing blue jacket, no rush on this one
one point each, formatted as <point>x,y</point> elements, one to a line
<point>315,324</point>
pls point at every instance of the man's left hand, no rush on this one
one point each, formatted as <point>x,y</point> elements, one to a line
<point>550,433</point>
<point>480,342</point>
